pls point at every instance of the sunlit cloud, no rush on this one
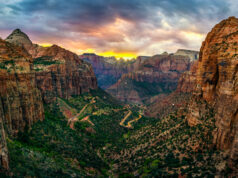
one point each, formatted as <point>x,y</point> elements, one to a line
<point>120,28</point>
<point>119,55</point>
<point>45,44</point>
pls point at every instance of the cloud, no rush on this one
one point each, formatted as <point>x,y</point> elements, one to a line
<point>137,26</point>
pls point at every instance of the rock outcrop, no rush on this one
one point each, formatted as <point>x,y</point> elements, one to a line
<point>21,103</point>
<point>17,37</point>
<point>109,70</point>
<point>59,72</point>
<point>154,76</point>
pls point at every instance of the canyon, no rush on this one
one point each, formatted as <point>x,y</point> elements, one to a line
<point>138,80</point>
<point>107,70</point>
<point>212,88</point>
<point>156,75</point>
<point>170,115</point>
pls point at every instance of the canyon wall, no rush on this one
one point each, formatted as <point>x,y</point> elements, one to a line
<point>156,75</point>
<point>211,88</point>
<point>217,82</point>
<point>214,79</point>
<point>21,103</point>
<point>193,55</point>
<point>31,74</point>
<point>59,72</point>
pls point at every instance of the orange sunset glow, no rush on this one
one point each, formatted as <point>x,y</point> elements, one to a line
<point>122,29</point>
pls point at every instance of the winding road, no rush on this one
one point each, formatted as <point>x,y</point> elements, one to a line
<point>129,124</point>
<point>74,119</point>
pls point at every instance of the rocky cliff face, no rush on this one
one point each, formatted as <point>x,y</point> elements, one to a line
<point>107,70</point>
<point>29,72</point>
<point>21,103</point>
<point>59,72</point>
<point>187,81</point>
<point>216,83</point>
<point>156,75</point>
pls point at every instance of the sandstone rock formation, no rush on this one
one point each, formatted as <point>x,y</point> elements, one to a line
<point>21,103</point>
<point>187,81</point>
<point>29,72</point>
<point>20,39</point>
<point>216,83</point>
<point>59,72</point>
<point>154,76</point>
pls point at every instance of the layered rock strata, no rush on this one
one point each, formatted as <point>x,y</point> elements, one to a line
<point>59,72</point>
<point>20,100</point>
<point>217,84</point>
<point>154,76</point>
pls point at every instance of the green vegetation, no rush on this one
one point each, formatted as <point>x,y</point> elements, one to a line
<point>166,147</point>
<point>51,148</point>
<point>45,60</point>
<point>100,147</point>
<point>7,65</point>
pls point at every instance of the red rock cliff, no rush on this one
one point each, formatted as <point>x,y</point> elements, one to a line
<point>187,81</point>
<point>217,83</point>
<point>156,75</point>
<point>20,101</point>
<point>59,72</point>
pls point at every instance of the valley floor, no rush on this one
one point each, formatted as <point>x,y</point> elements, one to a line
<point>94,135</point>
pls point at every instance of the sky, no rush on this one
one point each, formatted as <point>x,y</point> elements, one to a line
<point>121,28</point>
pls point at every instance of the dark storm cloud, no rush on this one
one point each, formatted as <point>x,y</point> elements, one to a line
<point>100,12</point>
<point>91,21</point>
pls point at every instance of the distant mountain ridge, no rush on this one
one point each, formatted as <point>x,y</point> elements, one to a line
<point>156,75</point>
<point>121,78</point>
<point>107,70</point>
